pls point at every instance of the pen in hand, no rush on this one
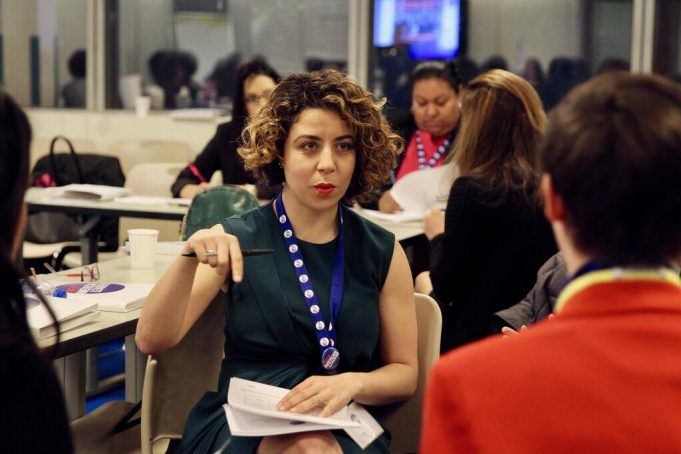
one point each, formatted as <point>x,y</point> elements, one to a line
<point>245,253</point>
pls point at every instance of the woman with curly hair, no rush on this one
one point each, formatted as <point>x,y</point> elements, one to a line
<point>330,313</point>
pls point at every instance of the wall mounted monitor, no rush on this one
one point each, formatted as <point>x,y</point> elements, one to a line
<point>431,29</point>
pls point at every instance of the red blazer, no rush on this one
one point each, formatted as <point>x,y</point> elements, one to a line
<point>603,376</point>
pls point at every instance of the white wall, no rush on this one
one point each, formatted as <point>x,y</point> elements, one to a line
<point>144,27</point>
<point>521,29</point>
<point>18,22</point>
<point>104,128</point>
<point>71,33</point>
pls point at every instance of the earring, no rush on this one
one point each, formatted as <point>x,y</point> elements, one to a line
<point>281,164</point>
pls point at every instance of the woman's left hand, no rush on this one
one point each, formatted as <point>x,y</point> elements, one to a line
<point>434,223</point>
<point>330,393</point>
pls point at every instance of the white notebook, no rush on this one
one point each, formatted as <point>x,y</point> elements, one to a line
<point>70,314</point>
<point>87,191</point>
<point>110,297</point>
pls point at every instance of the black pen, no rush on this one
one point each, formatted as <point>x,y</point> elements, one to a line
<point>245,253</point>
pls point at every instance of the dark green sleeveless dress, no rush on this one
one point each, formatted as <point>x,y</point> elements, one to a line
<point>269,333</point>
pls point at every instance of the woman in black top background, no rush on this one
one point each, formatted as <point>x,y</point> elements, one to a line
<point>32,413</point>
<point>254,81</point>
<point>488,245</point>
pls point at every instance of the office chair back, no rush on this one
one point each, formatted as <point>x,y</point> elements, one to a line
<point>176,380</point>
<point>215,204</point>
<point>404,419</point>
<point>134,152</point>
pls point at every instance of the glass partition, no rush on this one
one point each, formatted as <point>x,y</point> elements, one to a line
<point>42,49</point>
<point>667,38</point>
<point>555,44</point>
<point>185,53</point>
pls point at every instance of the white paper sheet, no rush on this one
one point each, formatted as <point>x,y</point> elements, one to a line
<point>422,190</point>
<point>87,191</point>
<point>251,412</point>
<point>260,399</point>
<point>246,424</point>
<point>400,216</point>
<point>144,200</point>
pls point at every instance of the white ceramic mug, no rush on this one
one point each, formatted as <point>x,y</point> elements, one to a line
<point>142,105</point>
<point>142,247</point>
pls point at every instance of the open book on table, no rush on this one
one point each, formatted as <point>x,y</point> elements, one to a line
<point>69,314</point>
<point>87,191</point>
<point>251,411</point>
<point>108,297</point>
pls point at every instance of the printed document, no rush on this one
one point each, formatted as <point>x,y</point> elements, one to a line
<point>251,410</point>
<point>422,190</point>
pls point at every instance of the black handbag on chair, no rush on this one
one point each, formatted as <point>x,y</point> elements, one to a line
<point>60,169</point>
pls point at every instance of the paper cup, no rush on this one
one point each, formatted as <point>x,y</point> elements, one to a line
<point>142,247</point>
<point>142,105</point>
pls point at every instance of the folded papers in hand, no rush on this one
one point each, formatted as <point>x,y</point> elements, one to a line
<point>251,411</point>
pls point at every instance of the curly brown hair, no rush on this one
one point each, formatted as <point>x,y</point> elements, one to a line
<point>376,144</point>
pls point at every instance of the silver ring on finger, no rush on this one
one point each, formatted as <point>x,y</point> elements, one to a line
<point>211,251</point>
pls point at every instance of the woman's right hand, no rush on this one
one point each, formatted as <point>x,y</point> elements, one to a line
<point>434,223</point>
<point>189,191</point>
<point>225,252</point>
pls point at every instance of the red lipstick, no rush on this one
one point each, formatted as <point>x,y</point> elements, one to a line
<point>324,189</point>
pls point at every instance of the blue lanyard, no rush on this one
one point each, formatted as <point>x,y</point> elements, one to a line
<point>326,335</point>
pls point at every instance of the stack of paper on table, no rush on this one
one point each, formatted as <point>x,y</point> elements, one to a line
<point>251,411</point>
<point>108,297</point>
<point>87,191</point>
<point>69,314</point>
<point>399,216</point>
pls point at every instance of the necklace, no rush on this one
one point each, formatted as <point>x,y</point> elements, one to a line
<point>421,152</point>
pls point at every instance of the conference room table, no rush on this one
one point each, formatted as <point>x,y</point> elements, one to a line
<point>70,353</point>
<point>90,213</point>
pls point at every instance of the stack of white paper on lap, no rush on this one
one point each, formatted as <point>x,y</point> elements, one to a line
<point>69,314</point>
<point>87,191</point>
<point>109,297</point>
<point>251,411</point>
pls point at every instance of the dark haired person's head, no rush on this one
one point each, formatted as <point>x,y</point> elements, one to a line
<point>612,159</point>
<point>502,126</point>
<point>254,81</point>
<point>375,144</point>
<point>15,140</point>
<point>435,92</point>
<point>77,64</point>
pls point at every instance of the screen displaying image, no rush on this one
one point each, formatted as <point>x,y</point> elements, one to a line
<point>429,28</point>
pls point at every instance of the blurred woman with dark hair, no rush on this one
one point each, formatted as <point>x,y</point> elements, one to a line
<point>431,124</point>
<point>254,81</point>
<point>488,245</point>
<point>32,413</point>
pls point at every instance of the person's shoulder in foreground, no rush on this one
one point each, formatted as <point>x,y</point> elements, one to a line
<point>566,384</point>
